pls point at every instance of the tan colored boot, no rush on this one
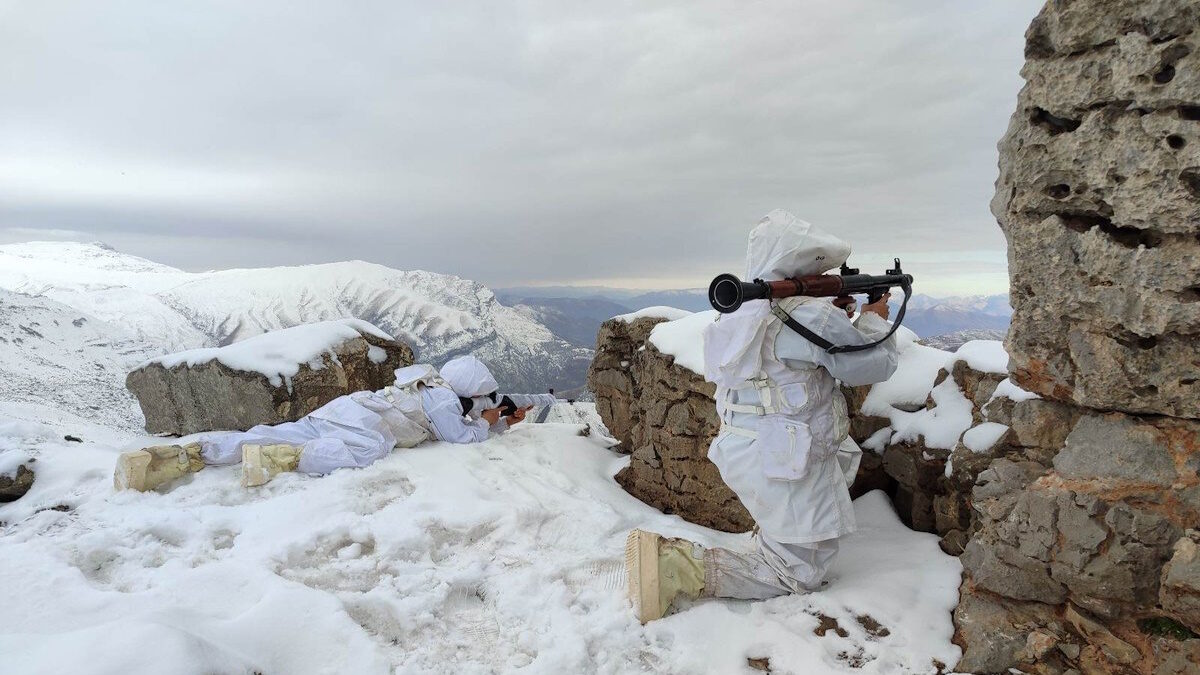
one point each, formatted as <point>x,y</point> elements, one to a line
<point>148,468</point>
<point>261,463</point>
<point>658,570</point>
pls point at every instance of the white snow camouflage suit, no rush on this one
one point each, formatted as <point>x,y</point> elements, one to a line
<point>350,431</point>
<point>783,445</point>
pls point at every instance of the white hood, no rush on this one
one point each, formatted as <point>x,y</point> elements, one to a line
<point>469,377</point>
<point>782,245</point>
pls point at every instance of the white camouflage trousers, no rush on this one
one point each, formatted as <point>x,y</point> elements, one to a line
<point>776,568</point>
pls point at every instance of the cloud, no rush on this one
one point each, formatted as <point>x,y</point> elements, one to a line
<point>508,142</point>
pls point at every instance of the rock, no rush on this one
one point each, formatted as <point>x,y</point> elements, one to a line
<point>1119,447</point>
<point>1038,644</point>
<point>674,421</point>
<point>954,542</point>
<point>212,396</point>
<point>15,486</point>
<point>1113,560</point>
<point>1116,649</point>
<point>1179,591</point>
<point>1012,558</point>
<point>1099,197</point>
<point>999,410</point>
<point>1038,423</point>
<point>871,476</point>
<point>611,376</point>
<point>1176,658</point>
<point>991,635</point>
<point>1069,28</point>
<point>977,385</point>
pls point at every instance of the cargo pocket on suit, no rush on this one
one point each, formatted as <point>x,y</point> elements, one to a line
<point>784,446</point>
<point>794,398</point>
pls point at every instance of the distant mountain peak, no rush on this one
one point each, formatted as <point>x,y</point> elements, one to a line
<point>439,315</point>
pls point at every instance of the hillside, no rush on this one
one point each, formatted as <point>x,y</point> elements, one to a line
<point>51,354</point>
<point>167,309</point>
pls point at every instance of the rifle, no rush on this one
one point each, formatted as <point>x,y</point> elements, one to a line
<point>727,293</point>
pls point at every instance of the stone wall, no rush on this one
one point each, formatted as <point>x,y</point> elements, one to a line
<point>1084,560</point>
<point>611,376</point>
<point>665,416</point>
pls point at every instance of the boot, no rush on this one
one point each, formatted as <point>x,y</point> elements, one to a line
<point>658,570</point>
<point>149,468</point>
<point>261,463</point>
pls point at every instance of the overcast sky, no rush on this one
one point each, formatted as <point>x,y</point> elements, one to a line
<point>628,143</point>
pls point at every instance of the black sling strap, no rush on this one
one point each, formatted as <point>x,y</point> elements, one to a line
<point>828,346</point>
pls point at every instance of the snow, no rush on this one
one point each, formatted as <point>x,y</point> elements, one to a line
<point>1007,389</point>
<point>909,388</point>
<point>683,339</point>
<point>658,312</point>
<point>279,354</point>
<point>984,355</point>
<point>982,437</point>
<point>439,316</point>
<point>55,355</point>
<point>911,383</point>
<point>878,441</point>
<point>460,559</point>
<point>942,425</point>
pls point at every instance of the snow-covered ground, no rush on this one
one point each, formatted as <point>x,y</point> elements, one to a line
<point>499,557</point>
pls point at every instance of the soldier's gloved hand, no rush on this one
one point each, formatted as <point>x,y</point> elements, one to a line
<point>879,307</point>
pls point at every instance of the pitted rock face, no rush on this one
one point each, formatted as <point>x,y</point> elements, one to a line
<point>1099,196</point>
<point>1092,544</point>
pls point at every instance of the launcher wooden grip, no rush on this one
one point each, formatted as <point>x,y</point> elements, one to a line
<point>817,285</point>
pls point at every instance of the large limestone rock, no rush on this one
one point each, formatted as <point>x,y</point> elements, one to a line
<point>1099,196</point>
<point>275,377</point>
<point>1082,538</point>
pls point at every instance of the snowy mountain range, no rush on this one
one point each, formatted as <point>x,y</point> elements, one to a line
<point>576,314</point>
<point>55,355</point>
<point>132,308</point>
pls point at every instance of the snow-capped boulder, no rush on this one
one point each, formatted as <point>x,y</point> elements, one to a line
<point>274,377</point>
